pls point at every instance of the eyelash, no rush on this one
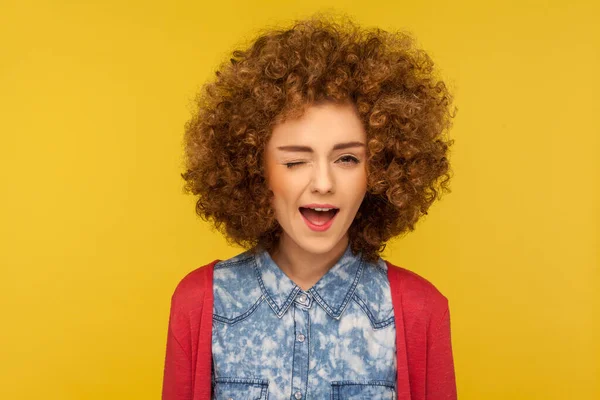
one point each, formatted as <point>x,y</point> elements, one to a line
<point>293,164</point>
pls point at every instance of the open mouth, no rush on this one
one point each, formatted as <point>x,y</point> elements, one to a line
<point>318,217</point>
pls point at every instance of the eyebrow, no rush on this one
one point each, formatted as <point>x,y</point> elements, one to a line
<point>306,149</point>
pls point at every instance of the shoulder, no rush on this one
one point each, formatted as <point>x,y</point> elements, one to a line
<point>373,294</point>
<point>189,292</point>
<point>235,287</point>
<point>418,293</point>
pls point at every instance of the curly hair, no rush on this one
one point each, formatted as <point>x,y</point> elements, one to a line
<point>404,107</point>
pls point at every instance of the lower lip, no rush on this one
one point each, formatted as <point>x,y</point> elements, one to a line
<point>319,228</point>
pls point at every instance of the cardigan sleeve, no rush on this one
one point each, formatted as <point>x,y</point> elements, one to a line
<point>177,377</point>
<point>188,354</point>
<point>441,380</point>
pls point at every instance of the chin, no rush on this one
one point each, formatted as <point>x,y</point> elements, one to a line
<point>318,245</point>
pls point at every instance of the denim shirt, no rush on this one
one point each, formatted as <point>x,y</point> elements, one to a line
<point>273,340</point>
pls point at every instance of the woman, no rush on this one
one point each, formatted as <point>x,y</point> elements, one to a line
<point>311,149</point>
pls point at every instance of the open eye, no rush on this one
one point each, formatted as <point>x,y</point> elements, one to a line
<point>352,159</point>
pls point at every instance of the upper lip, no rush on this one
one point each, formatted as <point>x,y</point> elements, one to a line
<point>315,205</point>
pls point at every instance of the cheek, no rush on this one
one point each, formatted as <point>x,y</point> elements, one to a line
<point>281,186</point>
<point>358,183</point>
<point>276,184</point>
<point>359,190</point>
<point>272,177</point>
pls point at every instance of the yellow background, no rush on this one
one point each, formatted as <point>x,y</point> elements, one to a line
<point>96,232</point>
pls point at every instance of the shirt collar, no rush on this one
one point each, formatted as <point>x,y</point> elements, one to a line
<point>332,292</point>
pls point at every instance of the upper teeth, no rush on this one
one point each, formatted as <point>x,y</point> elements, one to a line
<point>321,209</point>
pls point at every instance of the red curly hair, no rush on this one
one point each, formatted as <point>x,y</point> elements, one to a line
<point>405,110</point>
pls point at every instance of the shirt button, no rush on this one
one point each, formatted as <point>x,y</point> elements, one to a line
<point>302,298</point>
<point>301,338</point>
<point>298,395</point>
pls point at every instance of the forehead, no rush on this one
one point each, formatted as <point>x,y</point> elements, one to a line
<point>320,125</point>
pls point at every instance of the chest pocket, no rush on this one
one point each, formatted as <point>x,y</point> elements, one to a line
<point>240,389</point>
<point>352,390</point>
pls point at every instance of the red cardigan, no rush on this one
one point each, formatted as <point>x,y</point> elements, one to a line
<point>423,343</point>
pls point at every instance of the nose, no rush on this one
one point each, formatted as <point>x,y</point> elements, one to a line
<point>323,180</point>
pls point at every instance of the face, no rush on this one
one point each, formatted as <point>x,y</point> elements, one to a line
<point>318,159</point>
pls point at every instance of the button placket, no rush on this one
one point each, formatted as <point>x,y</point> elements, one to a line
<point>304,300</point>
<point>300,361</point>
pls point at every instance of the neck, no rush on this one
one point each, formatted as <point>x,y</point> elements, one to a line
<point>303,267</point>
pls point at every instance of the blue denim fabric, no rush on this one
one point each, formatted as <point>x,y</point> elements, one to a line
<point>273,340</point>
